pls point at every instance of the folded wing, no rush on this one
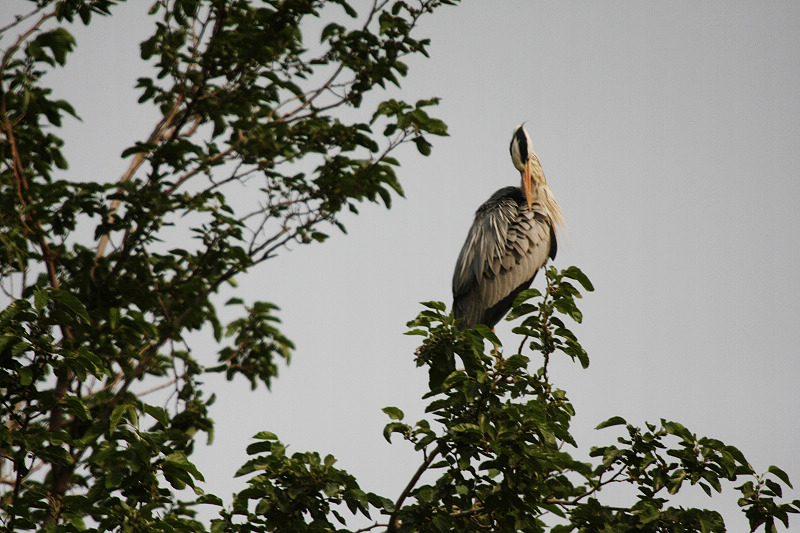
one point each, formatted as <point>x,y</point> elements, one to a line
<point>506,246</point>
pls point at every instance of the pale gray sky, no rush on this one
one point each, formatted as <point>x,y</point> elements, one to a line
<point>670,134</point>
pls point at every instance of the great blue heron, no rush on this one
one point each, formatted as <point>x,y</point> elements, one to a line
<point>510,240</point>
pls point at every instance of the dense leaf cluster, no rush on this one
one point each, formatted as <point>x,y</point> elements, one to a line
<point>496,448</point>
<point>263,137</point>
<point>505,431</point>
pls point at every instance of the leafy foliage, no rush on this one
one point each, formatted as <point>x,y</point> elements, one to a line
<point>498,433</point>
<point>494,448</point>
<point>297,493</point>
<point>96,321</point>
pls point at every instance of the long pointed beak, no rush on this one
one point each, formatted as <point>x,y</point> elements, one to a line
<point>526,185</point>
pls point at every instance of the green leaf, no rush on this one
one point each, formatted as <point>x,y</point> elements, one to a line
<point>466,427</point>
<point>25,376</point>
<point>330,30</point>
<point>394,427</point>
<point>210,499</point>
<point>59,41</point>
<point>610,455</point>
<point>675,481</point>
<point>76,407</point>
<point>774,487</point>
<point>780,474</point>
<point>263,446</point>
<point>70,301</point>
<point>265,435</point>
<point>583,357</point>
<point>90,361</point>
<point>575,273</point>
<point>613,421</point>
<point>159,413</point>
<point>439,306</point>
<point>179,459</point>
<point>527,294</point>
<point>423,146</point>
<point>177,476</point>
<point>116,416</point>
<point>348,9</point>
<point>137,149</point>
<point>40,299</point>
<point>488,334</point>
<point>394,413</point>
<point>5,340</point>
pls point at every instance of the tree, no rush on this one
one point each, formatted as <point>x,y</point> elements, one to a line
<point>99,298</point>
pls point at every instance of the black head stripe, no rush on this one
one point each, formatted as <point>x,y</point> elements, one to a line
<point>522,142</point>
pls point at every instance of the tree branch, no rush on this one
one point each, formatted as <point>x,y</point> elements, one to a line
<point>20,18</point>
<point>158,133</point>
<point>60,473</point>
<point>9,53</point>
<point>574,503</point>
<point>406,491</point>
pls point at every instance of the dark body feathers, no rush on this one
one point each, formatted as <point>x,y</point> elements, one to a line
<point>506,245</point>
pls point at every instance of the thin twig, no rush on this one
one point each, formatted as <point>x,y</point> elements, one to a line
<point>20,18</point>
<point>468,512</point>
<point>522,344</point>
<point>160,387</point>
<point>181,180</point>
<point>574,503</point>
<point>370,528</point>
<point>14,47</point>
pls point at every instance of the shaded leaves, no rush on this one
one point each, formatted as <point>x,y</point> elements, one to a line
<point>102,301</point>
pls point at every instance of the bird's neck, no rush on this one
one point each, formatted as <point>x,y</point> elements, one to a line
<point>542,194</point>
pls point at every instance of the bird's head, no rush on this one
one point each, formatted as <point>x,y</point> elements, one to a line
<point>525,160</point>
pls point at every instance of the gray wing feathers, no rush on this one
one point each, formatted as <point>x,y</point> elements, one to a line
<point>505,247</point>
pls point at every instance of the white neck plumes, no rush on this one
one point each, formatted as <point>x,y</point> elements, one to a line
<point>541,193</point>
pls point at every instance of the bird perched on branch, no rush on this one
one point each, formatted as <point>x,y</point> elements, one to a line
<point>512,237</point>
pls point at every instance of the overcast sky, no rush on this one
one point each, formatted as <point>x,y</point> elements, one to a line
<point>670,135</point>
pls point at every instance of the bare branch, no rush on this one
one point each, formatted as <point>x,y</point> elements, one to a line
<point>183,178</point>
<point>370,528</point>
<point>162,386</point>
<point>411,484</point>
<point>21,18</point>
<point>9,53</point>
